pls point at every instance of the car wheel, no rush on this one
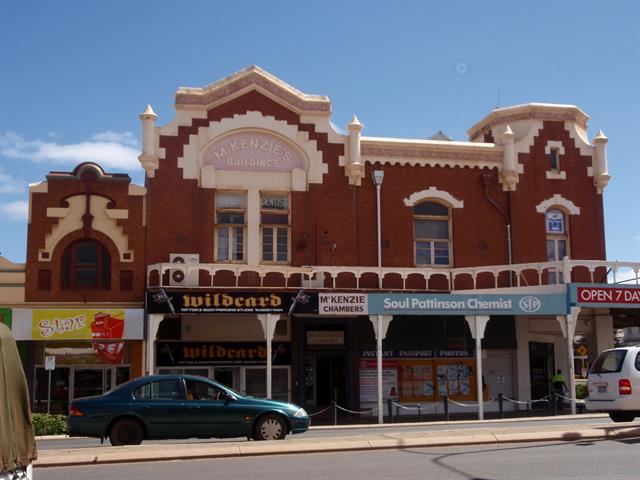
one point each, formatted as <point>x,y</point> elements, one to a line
<point>270,427</point>
<point>622,416</point>
<point>126,432</point>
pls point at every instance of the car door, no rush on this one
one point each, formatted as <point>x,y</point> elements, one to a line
<point>211,413</point>
<point>160,404</point>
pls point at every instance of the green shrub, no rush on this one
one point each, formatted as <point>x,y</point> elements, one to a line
<point>49,424</point>
<point>581,390</point>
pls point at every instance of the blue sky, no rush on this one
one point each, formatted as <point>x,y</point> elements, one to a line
<point>74,75</point>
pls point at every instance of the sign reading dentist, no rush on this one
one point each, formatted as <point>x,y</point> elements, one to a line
<point>467,304</point>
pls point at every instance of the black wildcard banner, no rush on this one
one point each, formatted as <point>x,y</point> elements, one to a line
<point>162,301</point>
<point>172,354</point>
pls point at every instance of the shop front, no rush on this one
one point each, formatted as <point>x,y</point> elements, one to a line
<point>462,346</point>
<point>74,353</point>
<point>223,335</point>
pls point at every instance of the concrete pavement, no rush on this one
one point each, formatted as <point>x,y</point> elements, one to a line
<point>392,438</point>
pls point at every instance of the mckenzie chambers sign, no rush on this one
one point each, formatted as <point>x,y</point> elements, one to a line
<point>231,302</point>
<point>472,304</point>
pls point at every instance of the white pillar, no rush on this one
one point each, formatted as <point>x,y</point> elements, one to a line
<point>253,227</point>
<point>148,158</point>
<point>509,173</point>
<point>355,127</point>
<point>477,325</point>
<point>568,325</point>
<point>153,323</point>
<point>268,322</point>
<point>601,174</point>
<point>380,326</point>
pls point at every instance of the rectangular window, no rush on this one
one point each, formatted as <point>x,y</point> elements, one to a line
<point>274,227</point>
<point>231,210</point>
<point>554,161</point>
<point>431,242</point>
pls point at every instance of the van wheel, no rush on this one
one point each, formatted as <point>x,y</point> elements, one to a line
<point>622,416</point>
<point>126,432</point>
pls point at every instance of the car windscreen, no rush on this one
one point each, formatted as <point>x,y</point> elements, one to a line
<point>609,362</point>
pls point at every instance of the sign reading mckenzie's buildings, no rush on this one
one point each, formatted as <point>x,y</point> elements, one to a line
<point>230,302</point>
<point>252,151</point>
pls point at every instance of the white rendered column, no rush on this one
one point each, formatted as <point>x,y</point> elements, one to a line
<point>268,322</point>
<point>477,325</point>
<point>568,324</point>
<point>153,323</point>
<point>380,326</point>
<point>253,227</point>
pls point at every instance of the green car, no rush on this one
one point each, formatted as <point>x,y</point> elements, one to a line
<point>181,406</point>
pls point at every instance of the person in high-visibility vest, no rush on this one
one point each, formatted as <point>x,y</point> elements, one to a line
<point>559,387</point>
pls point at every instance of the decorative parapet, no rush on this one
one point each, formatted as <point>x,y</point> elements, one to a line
<point>434,153</point>
<point>244,80</point>
<point>529,111</point>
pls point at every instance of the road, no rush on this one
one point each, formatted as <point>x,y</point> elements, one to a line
<point>343,431</point>
<point>595,460</point>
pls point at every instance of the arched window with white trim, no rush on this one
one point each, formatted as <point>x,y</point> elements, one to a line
<point>432,233</point>
<point>557,240</point>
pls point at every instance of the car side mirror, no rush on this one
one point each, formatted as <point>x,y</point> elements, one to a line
<point>227,397</point>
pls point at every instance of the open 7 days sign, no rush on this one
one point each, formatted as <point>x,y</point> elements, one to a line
<point>471,304</point>
<point>590,295</point>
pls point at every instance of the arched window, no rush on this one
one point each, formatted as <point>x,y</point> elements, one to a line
<point>431,233</point>
<point>557,240</point>
<point>86,265</point>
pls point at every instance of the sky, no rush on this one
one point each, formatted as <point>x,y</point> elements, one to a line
<point>75,75</point>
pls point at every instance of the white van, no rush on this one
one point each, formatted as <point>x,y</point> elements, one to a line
<point>614,384</point>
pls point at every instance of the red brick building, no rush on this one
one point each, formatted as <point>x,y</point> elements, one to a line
<point>254,204</point>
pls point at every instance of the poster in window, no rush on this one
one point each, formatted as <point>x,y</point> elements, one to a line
<point>555,222</point>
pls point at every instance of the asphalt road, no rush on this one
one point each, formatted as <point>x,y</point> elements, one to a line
<point>578,420</point>
<point>595,460</point>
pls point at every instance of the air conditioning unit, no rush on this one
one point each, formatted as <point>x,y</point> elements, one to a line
<point>182,277</point>
<point>315,281</point>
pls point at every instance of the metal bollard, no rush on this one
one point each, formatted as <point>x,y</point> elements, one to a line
<point>390,407</point>
<point>335,412</point>
<point>553,398</point>
<point>500,405</point>
<point>446,407</point>
<point>419,413</point>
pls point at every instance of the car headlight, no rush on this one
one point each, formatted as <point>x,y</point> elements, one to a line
<point>301,412</point>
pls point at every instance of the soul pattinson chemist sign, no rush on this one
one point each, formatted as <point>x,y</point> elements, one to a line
<point>423,304</point>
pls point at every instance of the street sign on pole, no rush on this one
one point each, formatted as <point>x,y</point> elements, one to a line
<point>50,362</point>
<point>49,365</point>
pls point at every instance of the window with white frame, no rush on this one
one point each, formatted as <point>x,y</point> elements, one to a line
<point>432,234</point>
<point>274,227</point>
<point>554,159</point>
<point>557,240</point>
<point>231,213</point>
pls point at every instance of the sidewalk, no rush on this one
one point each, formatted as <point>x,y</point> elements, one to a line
<point>394,438</point>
